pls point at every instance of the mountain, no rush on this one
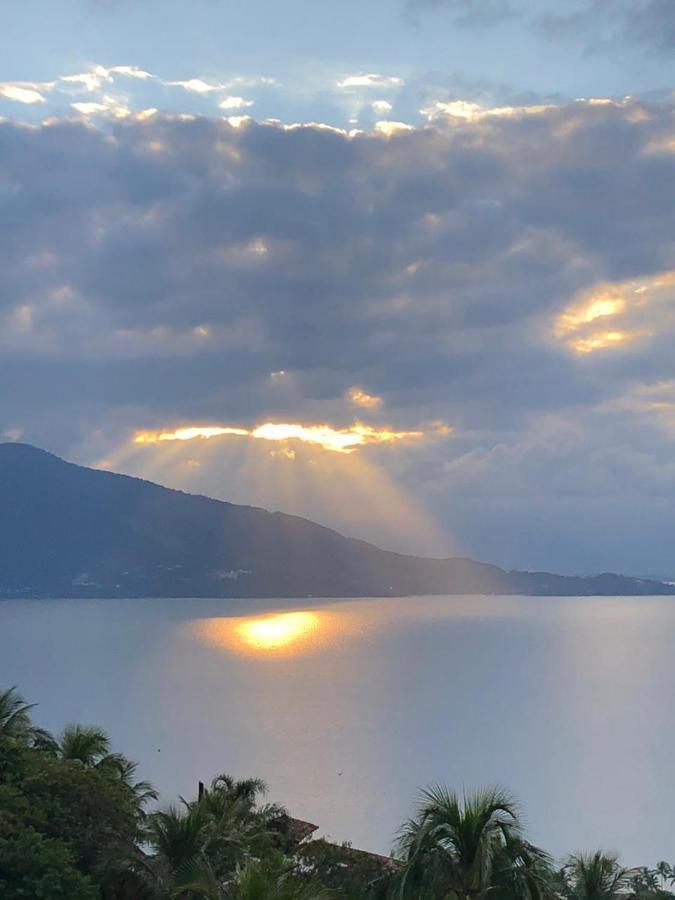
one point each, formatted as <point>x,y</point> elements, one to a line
<point>69,531</point>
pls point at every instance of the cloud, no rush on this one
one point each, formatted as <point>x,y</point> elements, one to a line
<point>109,107</point>
<point>88,81</point>
<point>469,13</point>
<point>363,399</point>
<point>197,85</point>
<point>381,107</point>
<point>603,26</point>
<point>117,91</point>
<point>161,267</point>
<point>473,112</point>
<point>389,128</point>
<point>22,92</point>
<point>235,103</point>
<point>131,72</point>
<point>618,315</point>
<point>337,440</point>
<point>369,81</point>
<point>599,25</point>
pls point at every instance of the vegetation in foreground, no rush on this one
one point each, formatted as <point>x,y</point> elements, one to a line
<point>76,824</point>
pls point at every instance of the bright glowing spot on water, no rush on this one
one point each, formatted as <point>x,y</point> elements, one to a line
<point>282,634</point>
<point>276,632</point>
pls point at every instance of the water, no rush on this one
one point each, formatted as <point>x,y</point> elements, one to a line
<point>345,708</point>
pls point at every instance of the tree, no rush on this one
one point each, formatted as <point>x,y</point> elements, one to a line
<point>354,874</point>
<point>197,848</point>
<point>32,866</point>
<point>595,876</point>
<point>274,878</point>
<point>652,884</point>
<point>466,847</point>
<point>15,720</point>
<point>84,744</point>
<point>89,747</point>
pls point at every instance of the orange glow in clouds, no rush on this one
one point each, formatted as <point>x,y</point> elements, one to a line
<point>339,440</point>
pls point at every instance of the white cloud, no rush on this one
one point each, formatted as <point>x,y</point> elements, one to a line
<point>253,81</point>
<point>22,92</point>
<point>196,86</point>
<point>370,81</point>
<point>235,103</point>
<point>109,107</point>
<point>132,72</point>
<point>85,81</point>
<point>88,108</point>
<point>473,112</point>
<point>388,129</point>
<point>237,121</point>
<point>381,107</point>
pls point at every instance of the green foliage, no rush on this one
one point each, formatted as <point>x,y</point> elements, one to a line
<point>198,848</point>
<point>276,879</point>
<point>351,873</point>
<point>15,720</point>
<point>37,868</point>
<point>62,807</point>
<point>468,847</point>
<point>74,825</point>
<point>652,884</point>
<point>595,876</point>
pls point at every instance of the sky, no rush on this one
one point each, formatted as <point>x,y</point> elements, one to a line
<point>406,268</point>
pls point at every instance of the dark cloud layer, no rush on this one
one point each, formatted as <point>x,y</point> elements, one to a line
<point>597,24</point>
<point>157,270</point>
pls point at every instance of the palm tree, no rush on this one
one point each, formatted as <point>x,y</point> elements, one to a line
<point>278,882</point>
<point>178,837</point>
<point>241,827</point>
<point>595,876</point>
<point>273,879</point>
<point>196,849</point>
<point>466,847</point>
<point>142,792</point>
<point>15,720</point>
<point>226,793</point>
<point>85,744</point>
<point>89,746</point>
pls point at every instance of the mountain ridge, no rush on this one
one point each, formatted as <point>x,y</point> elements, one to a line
<point>69,530</point>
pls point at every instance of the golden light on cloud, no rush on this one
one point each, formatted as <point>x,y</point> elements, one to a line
<point>361,398</point>
<point>596,307</point>
<point>612,315</point>
<point>338,440</point>
<point>599,341</point>
<point>186,434</point>
<point>280,634</point>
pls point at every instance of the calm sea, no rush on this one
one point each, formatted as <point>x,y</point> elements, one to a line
<point>345,708</point>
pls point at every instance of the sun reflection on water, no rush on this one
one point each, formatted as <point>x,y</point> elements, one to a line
<point>285,634</point>
<point>276,632</point>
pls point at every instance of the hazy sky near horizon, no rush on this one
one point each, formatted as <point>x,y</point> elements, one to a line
<point>449,220</point>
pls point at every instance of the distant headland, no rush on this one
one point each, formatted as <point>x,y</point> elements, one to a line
<point>71,531</point>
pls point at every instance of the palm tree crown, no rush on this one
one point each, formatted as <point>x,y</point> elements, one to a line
<point>15,721</point>
<point>463,847</point>
<point>596,876</point>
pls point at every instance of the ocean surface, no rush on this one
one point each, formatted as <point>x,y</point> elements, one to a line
<point>346,707</point>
